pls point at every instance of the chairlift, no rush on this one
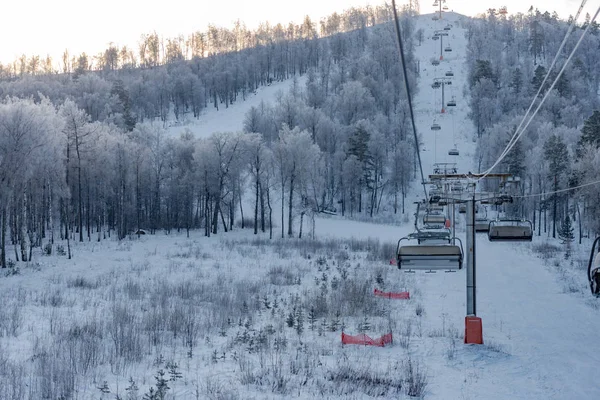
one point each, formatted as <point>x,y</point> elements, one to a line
<point>448,82</point>
<point>593,274</point>
<point>431,218</point>
<point>482,224</point>
<point>462,209</point>
<point>447,27</point>
<point>434,198</point>
<point>449,73</point>
<point>445,8</point>
<point>432,234</point>
<point>510,230</point>
<point>456,187</point>
<point>453,152</point>
<point>435,37</point>
<point>448,49</point>
<point>435,126</point>
<point>436,85</point>
<point>435,61</point>
<point>429,257</point>
<point>451,102</point>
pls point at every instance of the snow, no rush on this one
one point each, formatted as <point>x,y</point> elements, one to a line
<point>539,335</point>
<point>231,118</point>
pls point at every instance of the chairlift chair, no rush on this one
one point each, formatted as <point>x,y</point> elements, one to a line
<point>435,126</point>
<point>456,187</point>
<point>449,73</point>
<point>510,230</point>
<point>431,218</point>
<point>447,27</point>
<point>429,257</point>
<point>593,270</point>
<point>448,49</point>
<point>462,209</point>
<point>435,37</point>
<point>451,103</point>
<point>436,85</point>
<point>453,152</point>
<point>482,225</point>
<point>435,61</point>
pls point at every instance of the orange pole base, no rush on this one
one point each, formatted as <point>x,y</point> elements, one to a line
<point>441,58</point>
<point>443,111</point>
<point>473,330</point>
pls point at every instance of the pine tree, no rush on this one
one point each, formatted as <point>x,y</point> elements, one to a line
<point>557,155</point>
<point>538,77</point>
<point>565,233</point>
<point>483,69</point>
<point>299,321</point>
<point>590,133</point>
<point>312,319</point>
<point>516,82</point>
<point>132,390</point>
<point>161,385</point>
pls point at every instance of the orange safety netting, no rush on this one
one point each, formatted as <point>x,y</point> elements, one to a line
<point>392,295</point>
<point>365,340</point>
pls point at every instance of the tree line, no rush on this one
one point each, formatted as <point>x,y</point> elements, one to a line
<point>85,156</point>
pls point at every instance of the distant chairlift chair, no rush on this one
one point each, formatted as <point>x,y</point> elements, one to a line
<point>453,152</point>
<point>435,62</point>
<point>593,270</point>
<point>510,230</point>
<point>451,103</point>
<point>482,225</point>
<point>435,126</point>
<point>449,73</point>
<point>433,218</point>
<point>448,49</point>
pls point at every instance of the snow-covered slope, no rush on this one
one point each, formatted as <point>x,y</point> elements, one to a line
<point>539,340</point>
<point>231,119</point>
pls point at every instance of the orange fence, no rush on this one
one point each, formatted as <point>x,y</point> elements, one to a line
<point>392,295</point>
<point>365,340</point>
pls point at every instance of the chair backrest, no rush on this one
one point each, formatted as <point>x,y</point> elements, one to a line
<point>430,257</point>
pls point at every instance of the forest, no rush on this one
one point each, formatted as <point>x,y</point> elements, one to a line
<point>86,151</point>
<point>508,59</point>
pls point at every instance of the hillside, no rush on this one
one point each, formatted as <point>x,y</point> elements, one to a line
<point>239,316</point>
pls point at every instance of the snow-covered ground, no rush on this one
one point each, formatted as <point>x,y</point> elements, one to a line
<point>219,307</point>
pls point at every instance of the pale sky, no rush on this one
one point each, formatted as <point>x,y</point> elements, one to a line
<point>43,27</point>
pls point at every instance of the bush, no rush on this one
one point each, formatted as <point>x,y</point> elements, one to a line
<point>60,250</point>
<point>48,249</point>
<point>546,250</point>
<point>415,379</point>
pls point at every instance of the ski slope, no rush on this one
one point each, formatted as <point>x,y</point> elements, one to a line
<point>539,341</point>
<point>231,118</point>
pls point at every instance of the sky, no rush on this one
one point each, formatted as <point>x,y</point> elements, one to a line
<point>41,27</point>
